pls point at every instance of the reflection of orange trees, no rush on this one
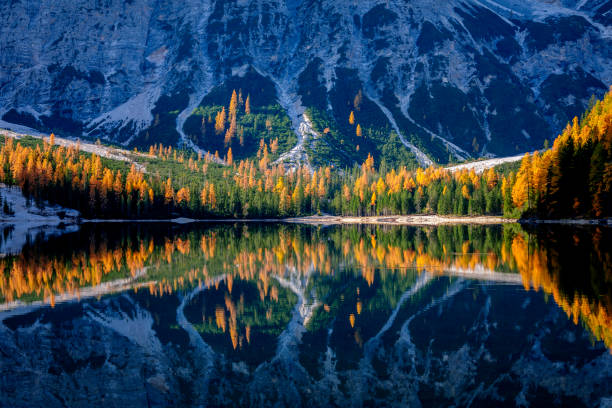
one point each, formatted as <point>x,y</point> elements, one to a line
<point>234,317</point>
<point>192,259</point>
<point>224,259</point>
<point>236,259</point>
<point>537,270</point>
<point>35,275</point>
<point>372,257</point>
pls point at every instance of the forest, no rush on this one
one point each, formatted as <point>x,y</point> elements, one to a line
<point>571,179</point>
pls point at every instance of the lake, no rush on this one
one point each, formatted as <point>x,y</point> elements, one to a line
<point>143,315</point>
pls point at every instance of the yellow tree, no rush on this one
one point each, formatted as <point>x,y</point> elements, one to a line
<point>465,192</point>
<point>274,145</point>
<point>380,186</point>
<point>233,106</point>
<point>520,190</point>
<point>220,122</point>
<point>212,197</point>
<point>346,193</point>
<point>247,105</point>
<point>168,192</point>
<point>352,118</point>
<point>358,131</point>
<point>204,195</point>
<point>539,173</point>
<point>107,185</point>
<point>118,184</point>
<point>263,163</point>
<point>321,190</point>
<point>231,132</point>
<point>369,163</point>
<point>230,157</point>
<point>183,195</point>
<point>491,178</point>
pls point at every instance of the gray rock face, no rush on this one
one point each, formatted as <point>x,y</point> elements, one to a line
<point>464,77</point>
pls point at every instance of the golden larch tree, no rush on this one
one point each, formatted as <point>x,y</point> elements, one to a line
<point>230,157</point>
<point>183,195</point>
<point>220,122</point>
<point>233,106</point>
<point>212,197</point>
<point>247,105</point>
<point>274,146</point>
<point>168,192</point>
<point>520,190</point>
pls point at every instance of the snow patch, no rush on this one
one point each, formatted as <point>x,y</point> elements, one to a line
<point>297,155</point>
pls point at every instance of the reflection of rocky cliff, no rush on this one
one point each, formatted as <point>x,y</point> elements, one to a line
<point>450,341</point>
<point>308,317</point>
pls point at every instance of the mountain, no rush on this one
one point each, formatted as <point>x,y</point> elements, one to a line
<point>452,79</point>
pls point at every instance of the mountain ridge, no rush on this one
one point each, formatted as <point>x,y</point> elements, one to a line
<point>459,79</point>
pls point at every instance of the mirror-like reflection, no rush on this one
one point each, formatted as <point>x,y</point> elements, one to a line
<point>246,314</point>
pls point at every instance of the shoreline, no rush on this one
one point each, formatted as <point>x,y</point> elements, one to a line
<point>416,220</point>
<point>413,220</point>
<point>409,220</point>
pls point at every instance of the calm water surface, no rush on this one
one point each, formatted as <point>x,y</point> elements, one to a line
<point>300,316</point>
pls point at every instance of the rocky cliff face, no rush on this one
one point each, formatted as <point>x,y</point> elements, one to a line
<point>453,78</point>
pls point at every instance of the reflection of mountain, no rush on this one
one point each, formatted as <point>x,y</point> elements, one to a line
<point>312,317</point>
<point>165,260</point>
<point>452,341</point>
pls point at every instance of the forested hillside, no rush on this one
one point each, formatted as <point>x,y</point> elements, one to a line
<point>573,179</point>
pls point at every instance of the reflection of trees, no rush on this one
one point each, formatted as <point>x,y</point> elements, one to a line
<point>237,317</point>
<point>45,271</point>
<point>572,266</point>
<point>381,262</point>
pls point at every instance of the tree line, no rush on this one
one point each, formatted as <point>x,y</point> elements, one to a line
<point>574,178</point>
